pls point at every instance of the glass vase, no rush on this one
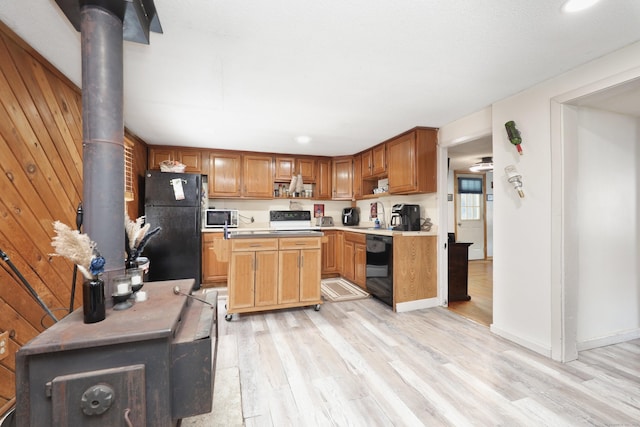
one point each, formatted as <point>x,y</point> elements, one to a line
<point>93,302</point>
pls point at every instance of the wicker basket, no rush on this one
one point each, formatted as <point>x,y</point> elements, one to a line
<point>172,166</point>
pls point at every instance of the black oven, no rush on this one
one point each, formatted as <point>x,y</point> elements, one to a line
<point>380,267</point>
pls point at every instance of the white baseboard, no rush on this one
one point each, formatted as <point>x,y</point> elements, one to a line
<point>401,307</point>
<point>520,341</point>
<point>609,340</point>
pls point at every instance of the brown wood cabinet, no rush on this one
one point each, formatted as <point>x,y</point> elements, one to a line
<point>253,274</point>
<point>299,270</point>
<point>374,162</point>
<point>273,273</point>
<point>257,176</point>
<point>224,174</point>
<point>213,270</point>
<point>191,158</point>
<point>354,264</point>
<point>342,181</point>
<point>331,252</point>
<point>412,162</point>
<point>357,177</point>
<point>233,174</point>
<point>286,167</point>
<point>323,180</point>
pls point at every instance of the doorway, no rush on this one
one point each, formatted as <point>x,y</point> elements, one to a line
<point>474,226</point>
<point>597,133</point>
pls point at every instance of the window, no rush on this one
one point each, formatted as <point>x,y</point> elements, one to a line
<point>470,206</point>
<point>128,171</point>
<point>470,190</point>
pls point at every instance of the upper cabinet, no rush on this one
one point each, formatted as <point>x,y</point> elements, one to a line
<point>323,181</point>
<point>191,158</point>
<point>224,174</point>
<point>407,160</point>
<point>287,167</point>
<point>342,175</point>
<point>257,177</point>
<point>374,162</point>
<point>232,174</point>
<point>412,162</point>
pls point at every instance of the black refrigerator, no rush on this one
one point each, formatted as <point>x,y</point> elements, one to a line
<point>173,201</point>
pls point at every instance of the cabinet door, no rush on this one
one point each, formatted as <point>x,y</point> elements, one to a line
<point>212,269</point>
<point>343,179</point>
<point>284,168</point>
<point>360,265</point>
<point>412,162</point>
<point>192,159</point>
<point>241,280</point>
<point>224,174</point>
<point>307,167</point>
<point>289,276</point>
<point>379,160</point>
<point>266,278</point>
<point>357,178</point>
<point>402,164</point>
<point>323,180</point>
<point>329,260</point>
<point>258,177</point>
<point>158,155</point>
<point>348,256</point>
<point>367,164</point>
<point>310,275</point>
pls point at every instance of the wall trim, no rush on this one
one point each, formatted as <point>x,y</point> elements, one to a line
<point>540,349</point>
<point>419,304</point>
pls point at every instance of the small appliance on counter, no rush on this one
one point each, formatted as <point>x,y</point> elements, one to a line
<point>350,216</point>
<point>324,221</point>
<point>405,217</point>
<point>219,218</point>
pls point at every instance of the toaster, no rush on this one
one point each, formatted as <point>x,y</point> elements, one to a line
<point>324,221</point>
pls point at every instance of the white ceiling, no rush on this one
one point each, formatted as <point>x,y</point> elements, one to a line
<point>255,74</point>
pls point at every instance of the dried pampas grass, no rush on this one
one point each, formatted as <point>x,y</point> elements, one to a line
<point>77,248</point>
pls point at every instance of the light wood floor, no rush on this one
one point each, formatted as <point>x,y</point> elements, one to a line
<point>357,363</point>
<point>480,307</point>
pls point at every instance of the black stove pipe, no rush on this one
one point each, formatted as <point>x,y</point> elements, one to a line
<point>103,132</point>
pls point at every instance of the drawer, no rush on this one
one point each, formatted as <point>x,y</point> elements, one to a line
<point>300,243</point>
<point>245,245</point>
<point>355,237</point>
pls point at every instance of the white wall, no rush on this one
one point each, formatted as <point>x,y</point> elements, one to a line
<point>527,291</point>
<point>607,208</point>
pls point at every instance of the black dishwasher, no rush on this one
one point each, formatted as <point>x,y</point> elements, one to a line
<point>380,267</point>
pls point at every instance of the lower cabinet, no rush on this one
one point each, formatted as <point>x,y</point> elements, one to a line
<point>273,273</point>
<point>299,270</point>
<point>213,270</point>
<point>332,252</point>
<point>354,263</point>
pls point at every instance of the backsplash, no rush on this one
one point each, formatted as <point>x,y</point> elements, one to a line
<point>259,209</point>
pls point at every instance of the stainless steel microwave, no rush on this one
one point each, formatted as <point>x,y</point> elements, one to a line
<point>217,218</point>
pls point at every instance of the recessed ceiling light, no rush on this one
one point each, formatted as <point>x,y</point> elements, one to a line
<point>578,5</point>
<point>303,139</point>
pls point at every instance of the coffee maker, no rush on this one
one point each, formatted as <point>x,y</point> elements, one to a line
<point>405,217</point>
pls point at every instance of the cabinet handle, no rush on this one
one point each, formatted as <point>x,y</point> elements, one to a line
<point>301,243</point>
<point>256,265</point>
<point>255,245</point>
<point>301,261</point>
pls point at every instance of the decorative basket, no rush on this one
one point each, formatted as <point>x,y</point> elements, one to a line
<point>172,166</point>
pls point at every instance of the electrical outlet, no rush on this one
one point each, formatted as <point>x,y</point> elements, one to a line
<point>4,344</point>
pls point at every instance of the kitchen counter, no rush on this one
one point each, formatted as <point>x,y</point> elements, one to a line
<point>257,234</point>
<point>272,232</point>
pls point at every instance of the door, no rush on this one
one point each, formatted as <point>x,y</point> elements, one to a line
<point>470,213</point>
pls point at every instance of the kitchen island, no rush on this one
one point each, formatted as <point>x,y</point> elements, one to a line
<point>271,270</point>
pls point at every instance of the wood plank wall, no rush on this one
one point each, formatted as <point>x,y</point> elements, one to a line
<point>40,182</point>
